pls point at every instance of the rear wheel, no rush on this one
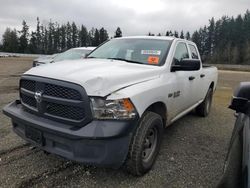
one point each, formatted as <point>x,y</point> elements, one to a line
<point>204,108</point>
<point>145,144</point>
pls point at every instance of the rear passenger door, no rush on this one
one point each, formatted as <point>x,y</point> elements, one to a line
<point>199,83</point>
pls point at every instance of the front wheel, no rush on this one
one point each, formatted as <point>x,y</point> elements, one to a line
<point>145,144</point>
<point>204,108</point>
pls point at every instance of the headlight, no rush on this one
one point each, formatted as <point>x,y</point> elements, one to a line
<point>112,109</point>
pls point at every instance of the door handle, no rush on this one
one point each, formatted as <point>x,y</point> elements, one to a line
<point>191,78</point>
<point>202,75</point>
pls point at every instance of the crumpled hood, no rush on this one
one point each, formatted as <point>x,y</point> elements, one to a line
<point>99,77</point>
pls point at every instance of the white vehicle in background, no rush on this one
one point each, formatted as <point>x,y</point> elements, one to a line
<point>71,54</point>
<point>43,60</point>
<point>111,108</point>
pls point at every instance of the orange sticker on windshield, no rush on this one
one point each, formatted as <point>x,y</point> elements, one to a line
<point>153,60</point>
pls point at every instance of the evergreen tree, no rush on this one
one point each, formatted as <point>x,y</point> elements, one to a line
<point>56,35</point>
<point>91,37</point>
<point>63,35</point>
<point>247,25</point>
<point>23,40</point>
<point>46,38</point>
<point>151,34</point>
<point>74,35</point>
<point>176,34</point>
<point>38,37</point>
<point>182,35</point>
<point>210,39</point>
<point>69,35</point>
<point>50,37</point>
<point>10,41</point>
<point>196,39</point>
<point>33,43</point>
<point>187,36</point>
<point>118,32</point>
<point>103,35</point>
<point>83,36</point>
<point>96,40</point>
<point>42,39</point>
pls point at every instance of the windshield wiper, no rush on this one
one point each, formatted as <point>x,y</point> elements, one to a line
<point>127,60</point>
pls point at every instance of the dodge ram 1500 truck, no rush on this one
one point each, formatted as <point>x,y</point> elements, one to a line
<point>111,108</point>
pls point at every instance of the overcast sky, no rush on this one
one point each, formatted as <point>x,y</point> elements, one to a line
<point>135,17</point>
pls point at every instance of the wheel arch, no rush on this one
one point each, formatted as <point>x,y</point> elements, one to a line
<point>211,85</point>
<point>159,108</point>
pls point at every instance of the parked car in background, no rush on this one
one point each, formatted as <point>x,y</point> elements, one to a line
<point>71,54</point>
<point>237,163</point>
<point>111,108</point>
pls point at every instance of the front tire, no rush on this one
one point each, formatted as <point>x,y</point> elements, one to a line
<point>204,108</point>
<point>145,144</point>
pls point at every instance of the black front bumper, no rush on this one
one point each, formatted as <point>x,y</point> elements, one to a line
<point>101,143</point>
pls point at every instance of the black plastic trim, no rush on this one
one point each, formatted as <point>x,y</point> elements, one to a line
<point>101,143</point>
<point>83,103</point>
<point>96,129</point>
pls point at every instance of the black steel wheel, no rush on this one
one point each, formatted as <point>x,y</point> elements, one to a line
<point>145,144</point>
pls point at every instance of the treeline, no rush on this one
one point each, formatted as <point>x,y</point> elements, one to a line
<point>175,34</point>
<point>52,38</point>
<point>226,40</point>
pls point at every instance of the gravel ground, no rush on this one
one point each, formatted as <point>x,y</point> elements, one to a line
<point>192,153</point>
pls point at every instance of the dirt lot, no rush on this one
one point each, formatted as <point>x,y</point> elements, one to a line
<point>192,152</point>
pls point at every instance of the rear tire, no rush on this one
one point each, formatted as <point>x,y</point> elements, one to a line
<point>145,144</point>
<point>204,108</point>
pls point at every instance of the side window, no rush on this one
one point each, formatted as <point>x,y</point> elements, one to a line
<point>181,52</point>
<point>194,52</point>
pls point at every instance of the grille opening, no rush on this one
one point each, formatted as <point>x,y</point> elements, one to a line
<point>28,84</point>
<point>69,112</point>
<point>29,100</point>
<point>62,92</point>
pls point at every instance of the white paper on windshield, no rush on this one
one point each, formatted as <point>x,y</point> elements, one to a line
<point>151,52</point>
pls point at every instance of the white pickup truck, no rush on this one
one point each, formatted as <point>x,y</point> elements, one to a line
<point>111,108</point>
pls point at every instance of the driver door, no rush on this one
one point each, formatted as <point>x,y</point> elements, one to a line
<point>183,84</point>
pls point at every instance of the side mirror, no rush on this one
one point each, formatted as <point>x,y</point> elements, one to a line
<point>239,104</point>
<point>241,98</point>
<point>186,65</point>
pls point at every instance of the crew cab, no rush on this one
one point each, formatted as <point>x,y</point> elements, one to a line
<point>110,109</point>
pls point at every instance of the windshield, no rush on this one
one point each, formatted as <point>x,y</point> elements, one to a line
<point>143,51</point>
<point>72,54</point>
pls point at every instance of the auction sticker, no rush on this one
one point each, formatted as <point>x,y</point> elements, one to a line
<point>151,52</point>
<point>153,60</point>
